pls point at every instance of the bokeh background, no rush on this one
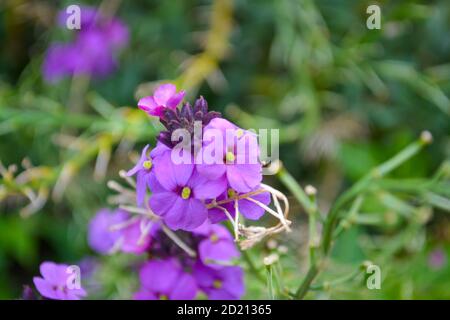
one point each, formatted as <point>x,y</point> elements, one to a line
<point>345,98</point>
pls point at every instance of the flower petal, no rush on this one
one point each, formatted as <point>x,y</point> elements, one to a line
<point>169,174</point>
<point>46,289</point>
<point>163,93</point>
<point>251,210</point>
<point>205,188</point>
<point>162,202</point>
<point>159,276</point>
<point>185,288</point>
<point>244,177</point>
<point>175,100</point>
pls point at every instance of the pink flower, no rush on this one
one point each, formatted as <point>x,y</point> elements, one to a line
<point>165,96</point>
<point>55,282</point>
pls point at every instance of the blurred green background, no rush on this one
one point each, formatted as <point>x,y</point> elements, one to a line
<point>345,98</point>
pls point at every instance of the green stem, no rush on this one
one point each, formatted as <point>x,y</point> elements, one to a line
<point>377,172</point>
<point>347,196</point>
<point>338,281</point>
<point>295,189</point>
<point>254,270</point>
<point>304,287</point>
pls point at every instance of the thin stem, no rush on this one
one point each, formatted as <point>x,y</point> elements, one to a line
<point>304,286</point>
<point>378,172</point>
<point>355,190</point>
<point>254,270</point>
<point>295,189</point>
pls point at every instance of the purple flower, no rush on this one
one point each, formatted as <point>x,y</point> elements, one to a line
<point>218,246</point>
<point>247,208</point>
<point>115,230</point>
<point>437,259</point>
<point>165,96</point>
<point>136,237</point>
<point>165,280</point>
<point>224,284</point>
<point>93,50</point>
<point>101,237</point>
<point>230,153</point>
<point>143,171</point>
<point>60,61</point>
<point>56,283</point>
<point>178,196</point>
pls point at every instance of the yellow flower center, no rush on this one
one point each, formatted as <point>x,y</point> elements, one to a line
<point>214,238</point>
<point>230,157</point>
<point>217,284</point>
<point>186,193</point>
<point>239,133</point>
<point>231,193</point>
<point>163,297</point>
<point>147,164</point>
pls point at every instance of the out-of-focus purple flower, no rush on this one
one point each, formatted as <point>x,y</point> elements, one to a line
<point>101,237</point>
<point>437,258</point>
<point>165,96</point>
<point>224,284</point>
<point>143,171</point>
<point>165,280</point>
<point>247,208</point>
<point>115,230</point>
<point>178,196</point>
<point>218,247</point>
<point>236,160</point>
<point>28,293</point>
<point>54,283</point>
<point>60,61</point>
<point>93,50</point>
<point>136,237</point>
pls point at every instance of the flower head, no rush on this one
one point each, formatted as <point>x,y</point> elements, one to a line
<point>230,153</point>
<point>179,194</point>
<point>224,284</point>
<point>437,259</point>
<point>93,50</point>
<point>110,231</point>
<point>217,248</point>
<point>165,97</point>
<point>55,283</point>
<point>165,280</point>
<point>101,237</point>
<point>143,170</point>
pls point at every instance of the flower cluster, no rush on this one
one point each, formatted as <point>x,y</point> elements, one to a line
<point>93,50</point>
<point>171,273</point>
<point>220,166</point>
<point>203,170</point>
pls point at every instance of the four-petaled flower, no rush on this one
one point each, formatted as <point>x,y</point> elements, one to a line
<point>56,284</point>
<point>178,193</point>
<point>230,153</point>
